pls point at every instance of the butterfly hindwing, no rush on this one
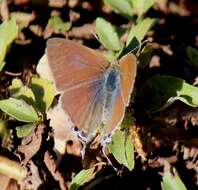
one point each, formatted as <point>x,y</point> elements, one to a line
<point>84,105</point>
<point>128,69</point>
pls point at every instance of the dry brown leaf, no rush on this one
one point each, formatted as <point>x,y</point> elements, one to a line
<point>74,16</point>
<point>57,3</point>
<point>4,181</point>
<point>36,29</point>
<point>51,165</point>
<point>4,12</point>
<point>20,2</point>
<point>85,32</point>
<point>138,143</point>
<point>155,61</point>
<point>31,144</point>
<point>73,3</point>
<point>33,180</point>
<point>65,139</point>
<point>12,185</point>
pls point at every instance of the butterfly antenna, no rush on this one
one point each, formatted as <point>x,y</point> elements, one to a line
<point>95,35</point>
<point>104,143</point>
<point>137,47</point>
<point>108,160</point>
<point>83,150</point>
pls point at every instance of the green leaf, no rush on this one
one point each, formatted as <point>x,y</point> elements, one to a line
<point>8,32</point>
<point>19,91</point>
<point>145,56</point>
<point>25,130</point>
<point>136,35</point>
<point>107,35</point>
<point>122,7</point>
<point>192,55</point>
<point>162,91</point>
<point>57,24</point>
<point>133,47</point>
<point>19,109</point>
<point>172,181</point>
<point>127,122</point>
<point>121,147</point>
<point>139,31</point>
<point>3,128</point>
<point>142,6</point>
<point>39,94</point>
<point>44,92</point>
<point>81,178</point>
<point>2,64</point>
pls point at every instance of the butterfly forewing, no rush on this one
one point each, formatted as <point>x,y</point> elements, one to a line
<point>72,64</point>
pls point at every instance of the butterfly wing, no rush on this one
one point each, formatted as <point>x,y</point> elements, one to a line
<point>73,64</point>
<point>116,115</point>
<point>127,78</point>
<point>85,107</point>
<point>78,73</point>
<point>128,69</point>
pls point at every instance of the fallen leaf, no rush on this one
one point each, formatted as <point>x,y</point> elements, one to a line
<point>63,133</point>
<point>31,144</point>
<point>4,181</point>
<point>33,179</point>
<point>51,165</point>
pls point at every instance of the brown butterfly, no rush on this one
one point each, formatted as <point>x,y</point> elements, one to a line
<point>94,93</point>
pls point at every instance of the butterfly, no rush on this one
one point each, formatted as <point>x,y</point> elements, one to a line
<point>93,92</point>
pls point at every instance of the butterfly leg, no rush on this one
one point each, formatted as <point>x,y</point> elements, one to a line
<point>104,146</point>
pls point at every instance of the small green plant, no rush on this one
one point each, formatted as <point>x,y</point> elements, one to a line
<point>109,36</point>
<point>8,33</point>
<point>110,39</point>
<point>121,147</point>
<point>57,25</point>
<point>130,8</point>
<point>162,91</point>
<point>28,103</point>
<point>172,181</point>
<point>192,56</point>
<point>83,177</point>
